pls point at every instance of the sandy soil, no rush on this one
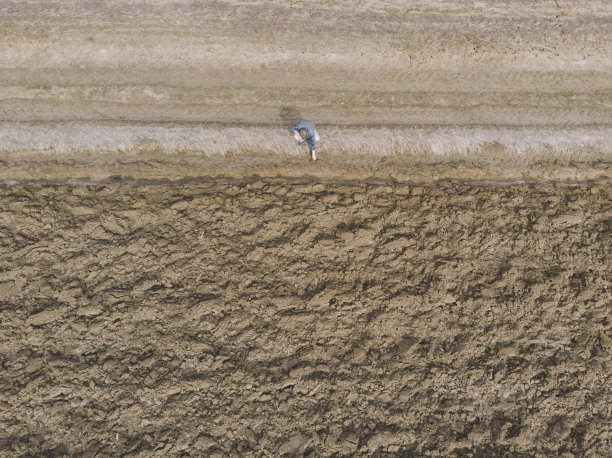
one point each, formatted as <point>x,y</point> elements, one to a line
<point>341,62</point>
<point>290,317</point>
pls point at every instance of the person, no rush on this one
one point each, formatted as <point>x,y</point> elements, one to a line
<point>305,130</point>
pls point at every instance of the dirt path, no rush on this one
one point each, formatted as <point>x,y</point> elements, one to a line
<point>346,62</point>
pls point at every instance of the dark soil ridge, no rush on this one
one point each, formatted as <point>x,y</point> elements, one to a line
<point>307,179</point>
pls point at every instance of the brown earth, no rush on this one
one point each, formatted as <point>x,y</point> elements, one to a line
<point>287,317</point>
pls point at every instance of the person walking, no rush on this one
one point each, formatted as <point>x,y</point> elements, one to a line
<point>305,130</point>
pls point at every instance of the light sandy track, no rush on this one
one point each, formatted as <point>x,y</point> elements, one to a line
<point>507,63</point>
<point>83,151</point>
<point>156,70</point>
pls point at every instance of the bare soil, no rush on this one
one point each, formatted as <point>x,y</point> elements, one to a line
<point>269,316</point>
<point>177,279</point>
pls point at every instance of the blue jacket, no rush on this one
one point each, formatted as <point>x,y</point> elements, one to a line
<point>310,128</point>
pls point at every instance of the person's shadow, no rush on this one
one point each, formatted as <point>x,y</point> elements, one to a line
<point>289,116</point>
